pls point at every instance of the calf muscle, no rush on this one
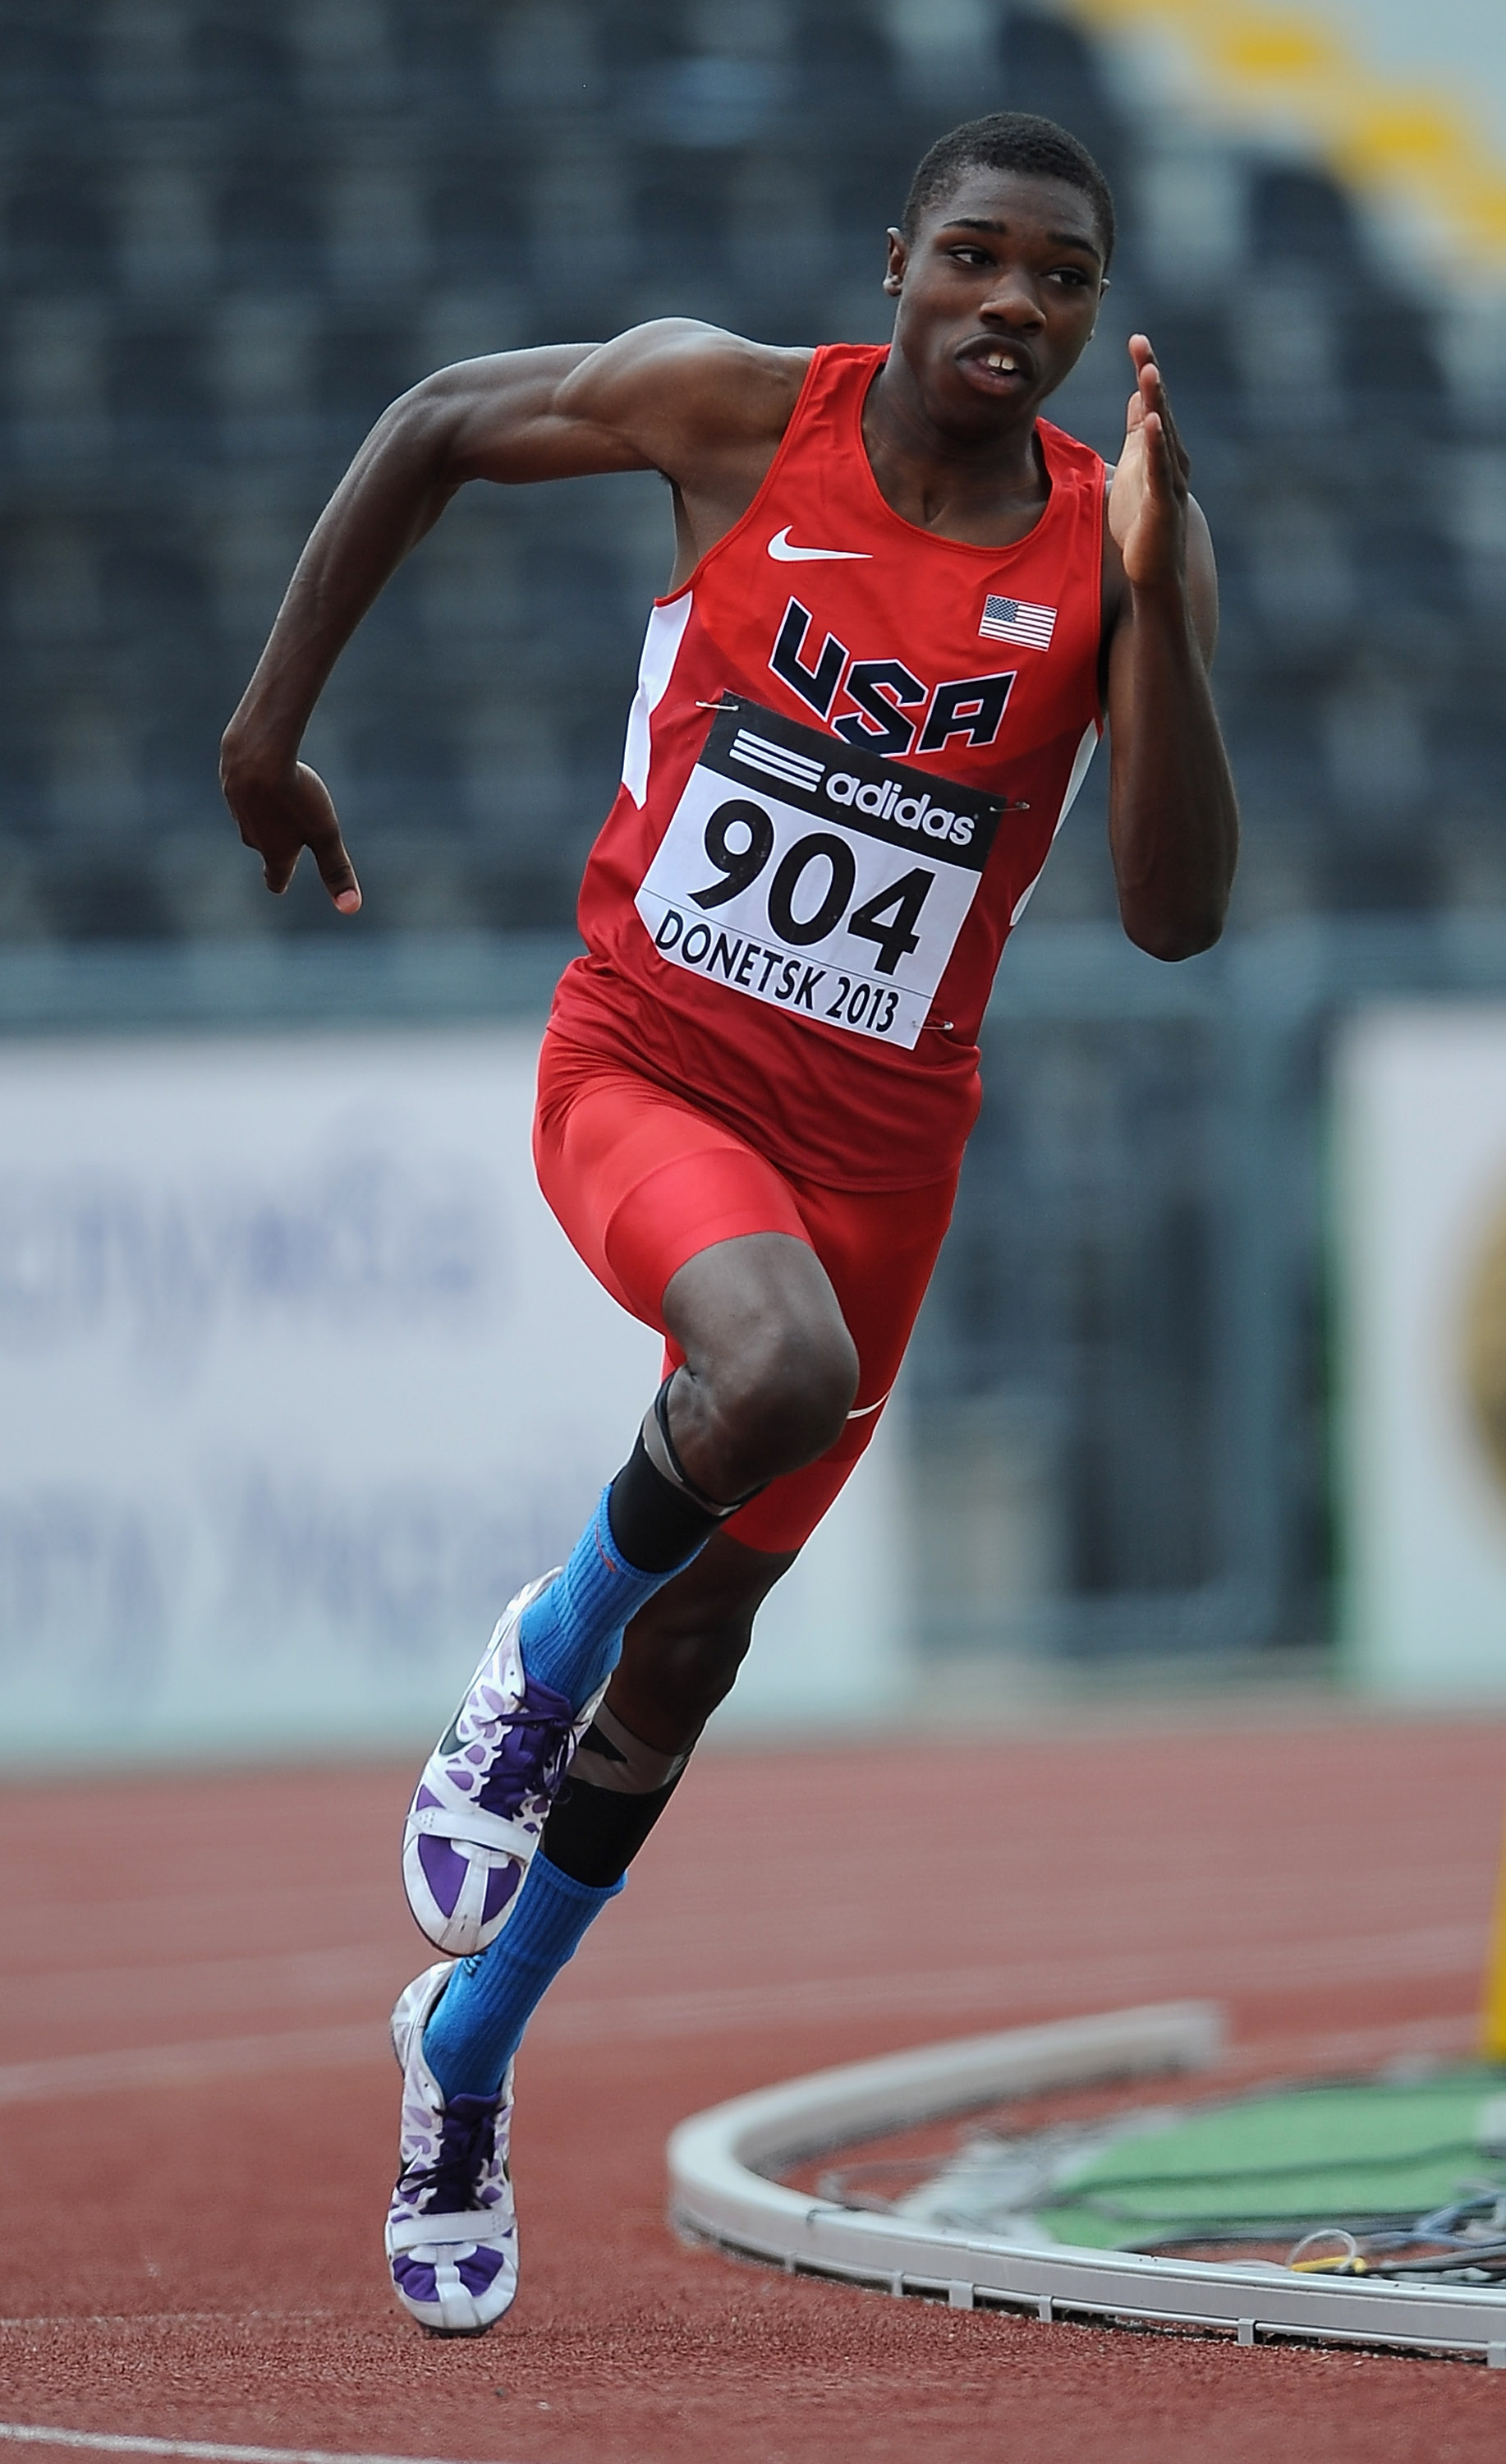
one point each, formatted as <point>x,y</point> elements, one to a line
<point>682,1653</point>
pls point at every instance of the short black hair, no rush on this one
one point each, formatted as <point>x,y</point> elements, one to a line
<point>1010,140</point>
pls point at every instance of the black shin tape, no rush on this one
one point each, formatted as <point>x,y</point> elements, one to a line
<point>594,1834</point>
<point>708,1505</point>
<point>654,1523</point>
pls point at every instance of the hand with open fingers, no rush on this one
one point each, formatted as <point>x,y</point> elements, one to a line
<point>1147,502</point>
<point>282,815</point>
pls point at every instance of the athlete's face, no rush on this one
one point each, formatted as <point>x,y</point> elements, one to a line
<point>998,292</point>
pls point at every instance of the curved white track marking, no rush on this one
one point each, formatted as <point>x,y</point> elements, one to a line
<point>109,2442</point>
<point>721,2192</point>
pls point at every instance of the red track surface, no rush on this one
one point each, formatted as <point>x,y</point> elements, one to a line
<point>197,2109</point>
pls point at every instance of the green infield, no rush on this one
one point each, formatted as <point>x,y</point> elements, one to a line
<point>1365,2155</point>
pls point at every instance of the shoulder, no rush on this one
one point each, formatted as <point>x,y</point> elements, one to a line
<point>680,384</point>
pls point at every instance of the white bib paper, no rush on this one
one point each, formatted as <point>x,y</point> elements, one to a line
<point>816,876</point>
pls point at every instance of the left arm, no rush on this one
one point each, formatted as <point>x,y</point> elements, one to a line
<point>1173,823</point>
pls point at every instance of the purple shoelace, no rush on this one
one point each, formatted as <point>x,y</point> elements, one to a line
<point>466,2136</point>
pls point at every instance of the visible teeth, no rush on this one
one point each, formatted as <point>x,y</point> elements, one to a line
<point>1000,359</point>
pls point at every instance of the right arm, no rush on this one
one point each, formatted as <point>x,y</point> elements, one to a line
<point>701,407</point>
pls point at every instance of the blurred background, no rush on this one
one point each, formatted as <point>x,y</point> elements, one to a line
<point>1213,1379</point>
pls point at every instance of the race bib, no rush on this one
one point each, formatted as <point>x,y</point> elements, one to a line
<point>812,875</point>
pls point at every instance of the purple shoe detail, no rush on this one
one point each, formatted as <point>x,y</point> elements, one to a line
<point>484,1796</point>
<point>447,1872</point>
<point>418,2285</point>
<point>536,1738</point>
<point>480,2271</point>
<point>443,1870</point>
<point>451,2236</point>
<point>444,2182</point>
<point>415,2282</point>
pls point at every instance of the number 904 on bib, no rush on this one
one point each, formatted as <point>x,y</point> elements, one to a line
<point>811,875</point>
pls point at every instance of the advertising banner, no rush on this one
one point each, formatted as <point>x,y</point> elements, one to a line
<point>301,1381</point>
<point>1422,1255</point>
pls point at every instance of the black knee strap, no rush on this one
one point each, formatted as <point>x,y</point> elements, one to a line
<point>692,1489</point>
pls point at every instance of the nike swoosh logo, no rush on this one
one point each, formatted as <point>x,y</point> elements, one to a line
<point>784,553</point>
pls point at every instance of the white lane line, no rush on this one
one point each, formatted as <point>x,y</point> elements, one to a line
<point>204,1991</point>
<point>188,2320</point>
<point>1005,1988</point>
<point>1010,1986</point>
<point>1445,2035</point>
<point>226,1988</point>
<point>108,2442</point>
<point>180,2065</point>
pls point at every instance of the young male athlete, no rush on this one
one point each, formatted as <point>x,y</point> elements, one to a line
<point>901,606</point>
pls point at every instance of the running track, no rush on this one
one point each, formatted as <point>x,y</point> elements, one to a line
<point>197,2107</point>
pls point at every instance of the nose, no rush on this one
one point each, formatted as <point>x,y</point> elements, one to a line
<point>1011,301</point>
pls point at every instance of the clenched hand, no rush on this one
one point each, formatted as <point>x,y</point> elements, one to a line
<point>279,814</point>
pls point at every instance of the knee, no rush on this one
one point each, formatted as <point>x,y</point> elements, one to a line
<point>788,1390</point>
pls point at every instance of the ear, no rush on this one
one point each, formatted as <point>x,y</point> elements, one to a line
<point>899,258</point>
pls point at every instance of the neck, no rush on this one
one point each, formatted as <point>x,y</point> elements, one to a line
<point>979,482</point>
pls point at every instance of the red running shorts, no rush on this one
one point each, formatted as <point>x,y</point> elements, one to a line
<point>642,1181</point>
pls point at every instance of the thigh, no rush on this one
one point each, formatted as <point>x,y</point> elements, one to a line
<point>641,1182</point>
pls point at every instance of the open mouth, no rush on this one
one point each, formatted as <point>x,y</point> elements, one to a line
<point>998,367</point>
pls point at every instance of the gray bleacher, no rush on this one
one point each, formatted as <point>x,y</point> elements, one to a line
<point>232,233</point>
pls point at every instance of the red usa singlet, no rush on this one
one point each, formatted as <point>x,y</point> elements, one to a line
<point>851,747</point>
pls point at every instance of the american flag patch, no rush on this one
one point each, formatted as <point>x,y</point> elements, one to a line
<point>1015,620</point>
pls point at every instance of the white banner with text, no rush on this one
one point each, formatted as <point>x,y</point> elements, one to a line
<point>302,1379</point>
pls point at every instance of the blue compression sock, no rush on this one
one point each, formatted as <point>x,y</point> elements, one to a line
<point>479,2020</point>
<point>571,1636</point>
